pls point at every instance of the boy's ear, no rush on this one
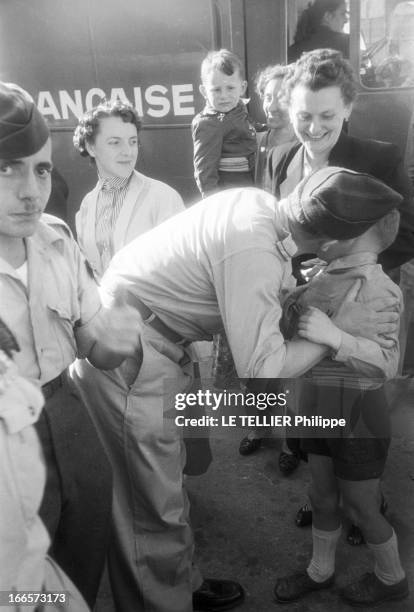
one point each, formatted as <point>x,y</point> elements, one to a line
<point>244,87</point>
<point>202,90</point>
<point>326,245</point>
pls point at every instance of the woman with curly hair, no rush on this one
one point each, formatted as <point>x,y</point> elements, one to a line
<point>124,203</point>
<point>279,132</point>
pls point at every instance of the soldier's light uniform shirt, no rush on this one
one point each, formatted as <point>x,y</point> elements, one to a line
<point>61,295</point>
<point>225,262</point>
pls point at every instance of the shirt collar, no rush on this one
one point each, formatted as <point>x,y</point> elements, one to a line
<point>114,183</point>
<point>44,237</point>
<point>352,261</point>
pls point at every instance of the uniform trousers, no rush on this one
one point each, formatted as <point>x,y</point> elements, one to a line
<point>151,548</point>
<point>76,505</point>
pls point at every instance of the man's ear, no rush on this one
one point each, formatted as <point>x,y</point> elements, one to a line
<point>202,90</point>
<point>244,87</point>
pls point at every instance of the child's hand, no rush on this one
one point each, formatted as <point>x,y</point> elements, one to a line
<point>315,326</point>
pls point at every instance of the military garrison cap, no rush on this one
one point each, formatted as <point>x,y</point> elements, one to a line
<point>340,204</point>
<point>23,130</point>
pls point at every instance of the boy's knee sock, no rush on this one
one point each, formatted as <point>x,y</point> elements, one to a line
<point>322,564</point>
<point>387,560</point>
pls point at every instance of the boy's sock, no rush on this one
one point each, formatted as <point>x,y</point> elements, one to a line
<point>387,561</point>
<point>322,564</point>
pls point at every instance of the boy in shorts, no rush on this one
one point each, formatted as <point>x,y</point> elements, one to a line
<point>223,137</point>
<point>349,461</point>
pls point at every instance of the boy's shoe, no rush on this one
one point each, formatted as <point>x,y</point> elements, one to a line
<point>303,516</point>
<point>294,587</point>
<point>355,536</point>
<point>249,445</point>
<point>288,462</point>
<point>370,591</point>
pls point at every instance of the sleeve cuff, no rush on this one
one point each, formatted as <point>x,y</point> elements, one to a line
<point>346,349</point>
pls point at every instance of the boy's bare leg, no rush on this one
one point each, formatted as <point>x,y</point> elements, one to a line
<point>324,493</point>
<point>362,502</point>
<point>388,581</point>
<point>326,530</point>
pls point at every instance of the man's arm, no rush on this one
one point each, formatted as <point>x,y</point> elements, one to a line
<point>248,285</point>
<point>301,356</point>
<point>371,350</point>
<point>105,334</point>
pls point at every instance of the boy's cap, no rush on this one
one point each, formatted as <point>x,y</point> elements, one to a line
<point>23,130</point>
<point>341,204</point>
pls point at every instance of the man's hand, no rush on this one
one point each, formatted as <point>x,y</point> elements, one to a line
<point>315,326</point>
<point>374,319</point>
<point>117,333</point>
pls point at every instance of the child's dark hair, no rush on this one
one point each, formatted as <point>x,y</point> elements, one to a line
<point>88,125</point>
<point>223,60</point>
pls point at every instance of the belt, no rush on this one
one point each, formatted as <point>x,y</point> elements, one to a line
<point>50,387</point>
<point>151,319</point>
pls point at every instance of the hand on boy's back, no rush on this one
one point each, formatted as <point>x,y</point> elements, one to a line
<point>315,326</point>
<point>375,319</point>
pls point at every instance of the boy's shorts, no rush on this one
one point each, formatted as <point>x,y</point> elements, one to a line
<point>360,453</point>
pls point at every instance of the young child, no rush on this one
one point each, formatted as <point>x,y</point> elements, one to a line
<point>224,139</point>
<point>348,385</point>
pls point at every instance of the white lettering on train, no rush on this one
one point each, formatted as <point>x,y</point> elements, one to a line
<point>155,101</point>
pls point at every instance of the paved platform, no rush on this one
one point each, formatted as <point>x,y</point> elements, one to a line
<point>243,511</point>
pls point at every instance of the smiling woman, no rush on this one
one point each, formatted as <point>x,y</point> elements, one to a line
<point>320,93</point>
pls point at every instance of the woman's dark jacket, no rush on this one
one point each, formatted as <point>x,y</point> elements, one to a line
<point>322,38</point>
<point>380,159</point>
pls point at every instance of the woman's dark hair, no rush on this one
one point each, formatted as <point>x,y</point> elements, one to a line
<point>88,125</point>
<point>322,68</point>
<point>311,17</point>
<point>269,74</point>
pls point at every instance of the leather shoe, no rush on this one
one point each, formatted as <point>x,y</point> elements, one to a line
<point>216,595</point>
<point>355,537</point>
<point>249,445</point>
<point>294,587</point>
<point>288,462</point>
<point>370,591</point>
<point>303,516</point>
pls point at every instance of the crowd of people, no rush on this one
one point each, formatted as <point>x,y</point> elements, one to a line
<point>97,334</point>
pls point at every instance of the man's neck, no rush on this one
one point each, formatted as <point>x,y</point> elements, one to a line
<point>13,250</point>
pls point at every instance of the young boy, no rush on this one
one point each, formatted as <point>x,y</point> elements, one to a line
<point>347,385</point>
<point>224,139</point>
